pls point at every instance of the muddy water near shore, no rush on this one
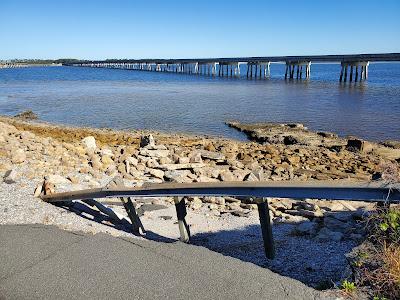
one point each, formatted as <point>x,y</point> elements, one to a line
<point>126,99</point>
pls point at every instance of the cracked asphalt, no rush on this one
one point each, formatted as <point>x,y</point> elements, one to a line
<point>44,262</point>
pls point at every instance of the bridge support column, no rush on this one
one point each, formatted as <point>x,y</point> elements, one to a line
<point>297,66</point>
<point>359,66</point>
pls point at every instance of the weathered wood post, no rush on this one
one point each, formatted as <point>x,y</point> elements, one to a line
<point>181,214</point>
<point>345,73</point>
<point>266,227</point>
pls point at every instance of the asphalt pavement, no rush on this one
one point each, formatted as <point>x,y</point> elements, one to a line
<point>44,262</point>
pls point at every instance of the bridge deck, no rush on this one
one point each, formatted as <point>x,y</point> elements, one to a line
<point>313,58</point>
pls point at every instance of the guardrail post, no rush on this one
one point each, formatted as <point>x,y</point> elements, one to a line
<point>137,225</point>
<point>266,228</point>
<point>181,214</point>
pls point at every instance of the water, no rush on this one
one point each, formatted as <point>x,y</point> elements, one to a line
<point>126,99</point>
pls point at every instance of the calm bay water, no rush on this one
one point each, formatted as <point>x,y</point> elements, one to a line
<point>126,99</point>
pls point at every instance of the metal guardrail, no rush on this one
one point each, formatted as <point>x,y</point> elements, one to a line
<point>332,190</point>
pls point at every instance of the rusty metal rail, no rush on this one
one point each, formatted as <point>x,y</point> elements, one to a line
<point>332,190</point>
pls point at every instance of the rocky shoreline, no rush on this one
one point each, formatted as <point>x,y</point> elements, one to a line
<point>70,158</point>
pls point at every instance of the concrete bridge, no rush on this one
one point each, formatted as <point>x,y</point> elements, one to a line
<point>353,66</point>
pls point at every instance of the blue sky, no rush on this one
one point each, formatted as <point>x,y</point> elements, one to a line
<point>89,29</point>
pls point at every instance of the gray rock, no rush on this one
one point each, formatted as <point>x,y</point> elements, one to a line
<point>170,167</point>
<point>240,213</point>
<point>251,177</point>
<point>212,155</point>
<point>307,228</point>
<point>305,213</point>
<point>336,225</point>
<point>328,235</point>
<point>344,216</point>
<point>10,176</point>
<point>180,176</point>
<point>147,140</point>
<point>154,153</point>
<point>195,157</point>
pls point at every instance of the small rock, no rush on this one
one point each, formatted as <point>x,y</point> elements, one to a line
<point>90,143</point>
<point>26,115</point>
<point>154,153</point>
<point>18,156</point>
<point>171,167</point>
<point>227,176</point>
<point>56,179</point>
<point>195,157</point>
<point>240,213</point>
<point>38,191</point>
<point>327,235</point>
<point>156,173</point>
<point>335,224</point>
<point>251,177</point>
<point>354,144</point>
<point>195,203</point>
<point>211,155</point>
<point>147,140</point>
<point>289,140</point>
<point>107,160</point>
<point>307,228</point>
<point>10,176</point>
<point>184,160</point>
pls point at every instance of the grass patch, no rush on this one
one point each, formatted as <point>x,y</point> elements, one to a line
<point>379,267</point>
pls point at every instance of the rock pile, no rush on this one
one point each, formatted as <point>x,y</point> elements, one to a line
<point>64,156</point>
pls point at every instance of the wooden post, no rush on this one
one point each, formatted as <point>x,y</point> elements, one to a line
<point>247,75</point>
<point>266,228</point>
<point>137,225</point>
<point>251,71</point>
<point>345,73</point>
<point>181,214</point>
<point>297,75</point>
